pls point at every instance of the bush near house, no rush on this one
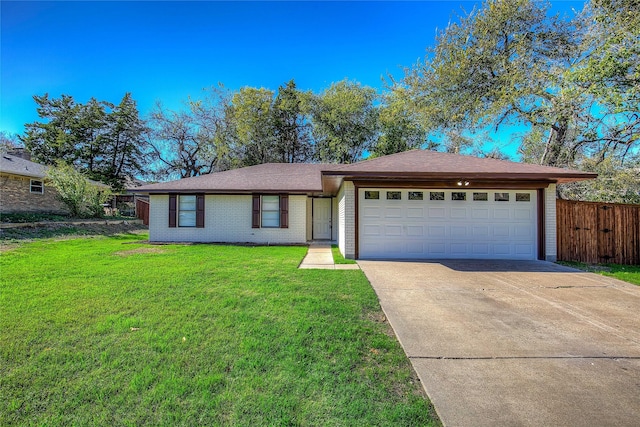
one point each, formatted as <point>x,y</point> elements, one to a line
<point>83,198</point>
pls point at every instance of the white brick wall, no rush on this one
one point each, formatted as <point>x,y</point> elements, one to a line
<point>341,201</point>
<point>227,219</point>
<point>550,223</point>
<point>347,220</point>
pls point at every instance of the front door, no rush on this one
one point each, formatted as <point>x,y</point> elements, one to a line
<point>322,219</point>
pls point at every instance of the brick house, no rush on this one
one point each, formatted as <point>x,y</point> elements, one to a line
<point>23,188</point>
<point>418,204</point>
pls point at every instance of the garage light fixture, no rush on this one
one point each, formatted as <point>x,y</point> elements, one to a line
<point>463,182</point>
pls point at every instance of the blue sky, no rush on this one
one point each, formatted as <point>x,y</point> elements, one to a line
<point>168,51</point>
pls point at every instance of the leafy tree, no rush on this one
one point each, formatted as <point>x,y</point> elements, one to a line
<point>82,198</point>
<point>291,126</point>
<point>125,148</point>
<point>344,121</point>
<point>252,113</point>
<point>615,184</point>
<point>57,137</point>
<point>399,125</point>
<point>511,62</point>
<point>100,139</point>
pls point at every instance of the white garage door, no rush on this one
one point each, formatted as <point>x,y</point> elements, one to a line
<point>424,223</point>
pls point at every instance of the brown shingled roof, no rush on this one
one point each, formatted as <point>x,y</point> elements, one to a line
<point>437,164</point>
<point>314,178</point>
<point>268,177</point>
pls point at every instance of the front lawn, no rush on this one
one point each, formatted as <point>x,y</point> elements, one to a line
<point>628,273</point>
<point>112,331</point>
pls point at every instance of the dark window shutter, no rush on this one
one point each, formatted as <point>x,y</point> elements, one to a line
<point>284,211</point>
<point>200,210</point>
<point>173,203</point>
<point>255,217</point>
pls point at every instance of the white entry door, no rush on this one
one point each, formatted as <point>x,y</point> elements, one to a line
<point>434,223</point>
<point>322,218</point>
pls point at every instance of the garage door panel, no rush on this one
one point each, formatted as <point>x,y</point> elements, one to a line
<point>498,227</point>
<point>501,231</point>
<point>415,213</point>
<point>415,231</point>
<point>415,248</point>
<point>502,249</point>
<point>523,231</point>
<point>480,231</point>
<point>393,213</point>
<point>478,213</point>
<point>371,212</point>
<point>394,247</point>
<point>458,213</point>
<point>501,213</point>
<point>522,214</point>
<point>522,249</point>
<point>459,249</point>
<point>480,248</point>
<point>437,213</point>
<point>437,249</point>
<point>392,230</point>
<point>437,231</point>
<point>458,231</point>
<point>372,230</point>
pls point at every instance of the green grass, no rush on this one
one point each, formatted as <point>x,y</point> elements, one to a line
<point>111,331</point>
<point>338,258</point>
<point>628,273</point>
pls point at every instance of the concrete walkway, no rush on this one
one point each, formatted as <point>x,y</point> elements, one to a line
<point>516,343</point>
<point>320,257</point>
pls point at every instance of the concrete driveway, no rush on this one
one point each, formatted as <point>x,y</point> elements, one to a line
<point>516,343</point>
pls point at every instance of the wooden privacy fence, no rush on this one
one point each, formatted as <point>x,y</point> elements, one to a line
<point>142,210</point>
<point>598,232</point>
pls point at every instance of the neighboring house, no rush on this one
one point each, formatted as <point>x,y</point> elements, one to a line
<point>412,205</point>
<point>23,188</point>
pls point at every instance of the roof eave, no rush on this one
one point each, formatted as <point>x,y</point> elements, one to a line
<point>225,191</point>
<point>515,176</point>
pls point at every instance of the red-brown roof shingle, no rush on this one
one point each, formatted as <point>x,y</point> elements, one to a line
<point>414,164</point>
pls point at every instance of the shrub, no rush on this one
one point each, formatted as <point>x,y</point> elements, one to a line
<point>82,197</point>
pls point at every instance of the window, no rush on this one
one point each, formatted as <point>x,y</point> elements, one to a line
<point>371,195</point>
<point>502,197</point>
<point>436,195</point>
<point>270,211</point>
<point>416,195</point>
<point>37,187</point>
<point>394,195</point>
<point>480,196</point>
<point>458,195</point>
<point>523,197</point>
<point>187,211</point>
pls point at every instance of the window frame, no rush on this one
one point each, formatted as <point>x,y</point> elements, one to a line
<point>35,183</point>
<point>174,210</point>
<point>257,211</point>
<point>263,210</point>
<point>182,211</point>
